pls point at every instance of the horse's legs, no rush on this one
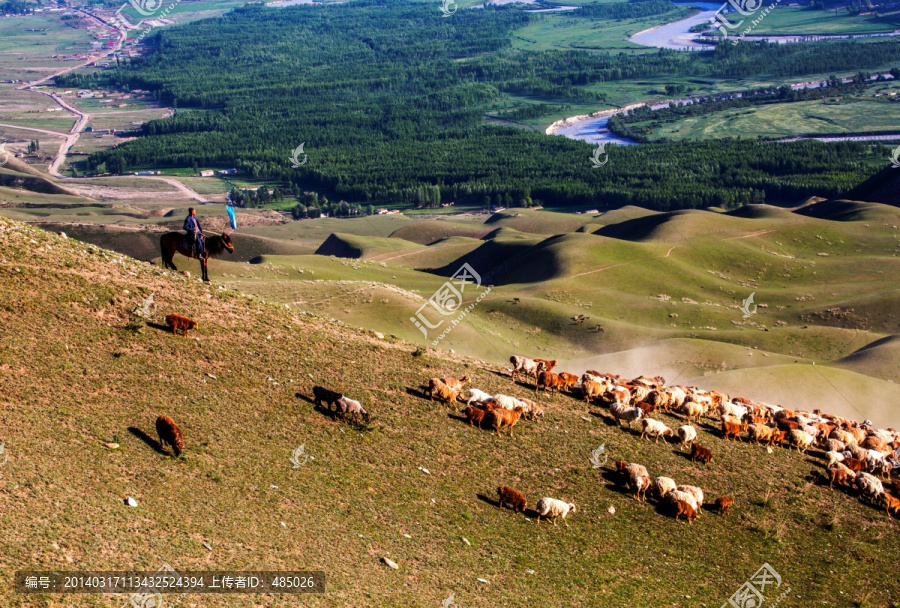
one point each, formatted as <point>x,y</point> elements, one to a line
<point>203,268</point>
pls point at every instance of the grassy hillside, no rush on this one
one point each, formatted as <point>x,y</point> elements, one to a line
<point>78,372</point>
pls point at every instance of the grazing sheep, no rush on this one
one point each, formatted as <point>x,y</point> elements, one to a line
<point>474,415</point>
<point>477,396</point>
<point>663,485</point>
<point>695,492</point>
<point>730,429</point>
<point>182,323</point>
<point>639,392</point>
<point>677,499</point>
<point>169,433</point>
<point>687,434</point>
<point>444,393</point>
<point>591,389</point>
<point>552,508</point>
<point>698,452</point>
<point>631,467</point>
<point>658,398</point>
<point>501,419</point>
<point>454,383</point>
<point>549,380</point>
<point>655,429</point>
<point>323,394</point>
<point>346,406</point>
<point>623,412</point>
<point>723,503</point>
<point>685,508</point>
<point>639,484</point>
<point>676,397</point>
<point>802,440</point>
<point>531,410</point>
<point>513,498</point>
<point>869,486</point>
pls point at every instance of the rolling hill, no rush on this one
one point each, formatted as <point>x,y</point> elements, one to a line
<point>416,485</point>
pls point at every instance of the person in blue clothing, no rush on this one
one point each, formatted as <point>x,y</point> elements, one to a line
<point>192,227</point>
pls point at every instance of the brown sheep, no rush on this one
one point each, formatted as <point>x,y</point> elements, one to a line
<point>854,464</point>
<point>475,415</point>
<point>548,380</point>
<point>169,433</point>
<point>444,393</point>
<point>777,437</point>
<point>731,428</point>
<point>514,498</point>
<point>568,380</point>
<point>454,383</point>
<point>179,322</point>
<point>549,364</point>
<point>839,475</point>
<point>501,418</point>
<point>723,503</point>
<point>683,508</point>
<point>698,452</point>
<point>891,504</point>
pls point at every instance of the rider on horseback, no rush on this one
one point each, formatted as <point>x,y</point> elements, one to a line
<point>192,227</point>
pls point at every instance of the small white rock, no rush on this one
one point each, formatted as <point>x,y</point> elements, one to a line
<point>130,502</point>
<point>481,580</point>
<point>611,510</point>
<point>207,545</point>
<point>424,470</point>
<point>390,563</point>
<point>466,540</point>
<point>530,571</point>
<point>770,451</point>
<point>112,446</point>
<point>209,375</point>
<point>407,536</point>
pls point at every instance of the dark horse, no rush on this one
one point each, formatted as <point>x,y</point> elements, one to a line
<point>174,242</point>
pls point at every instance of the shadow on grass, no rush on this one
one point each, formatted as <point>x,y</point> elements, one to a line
<point>160,327</point>
<point>153,443</point>
<point>607,420</point>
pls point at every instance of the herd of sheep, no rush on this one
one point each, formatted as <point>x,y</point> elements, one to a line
<point>856,453</point>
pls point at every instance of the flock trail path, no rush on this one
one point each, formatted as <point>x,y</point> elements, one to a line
<point>83,118</point>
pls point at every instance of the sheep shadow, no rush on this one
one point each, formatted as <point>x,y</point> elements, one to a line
<point>418,393</point>
<point>682,454</point>
<point>160,327</point>
<point>607,420</point>
<point>150,441</point>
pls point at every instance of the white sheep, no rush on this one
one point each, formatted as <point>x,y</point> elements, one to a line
<point>801,439</point>
<point>477,396</point>
<point>692,409</point>
<point>868,485</point>
<point>655,429</point>
<point>674,495</point>
<point>345,406</point>
<point>687,434</point>
<point>553,508</point>
<point>505,401</point>
<point>622,412</point>
<point>695,492</point>
<point>663,485</point>
<point>834,458</point>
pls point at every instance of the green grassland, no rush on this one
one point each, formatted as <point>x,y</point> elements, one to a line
<point>787,120</point>
<point>563,31</point>
<point>78,372</point>
<point>786,20</point>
